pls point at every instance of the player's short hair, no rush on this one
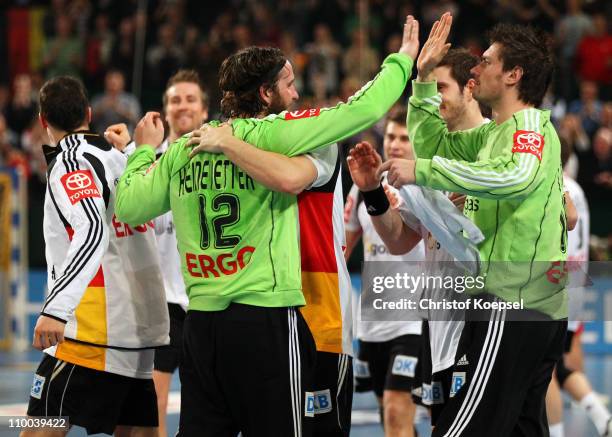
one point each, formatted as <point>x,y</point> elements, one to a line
<point>460,62</point>
<point>189,76</point>
<point>241,75</point>
<point>527,48</point>
<point>397,115</point>
<point>63,103</point>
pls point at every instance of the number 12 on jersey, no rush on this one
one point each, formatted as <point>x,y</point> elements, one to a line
<point>226,207</point>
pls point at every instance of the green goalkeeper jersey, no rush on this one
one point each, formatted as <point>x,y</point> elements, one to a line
<point>237,239</point>
<point>512,175</point>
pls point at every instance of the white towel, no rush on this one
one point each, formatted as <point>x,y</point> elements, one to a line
<point>454,231</point>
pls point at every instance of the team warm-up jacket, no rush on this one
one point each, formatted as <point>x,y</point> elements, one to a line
<point>103,275</point>
<point>238,240</point>
<point>512,175</point>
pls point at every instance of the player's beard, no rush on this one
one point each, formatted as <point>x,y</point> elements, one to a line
<point>453,113</point>
<point>276,105</point>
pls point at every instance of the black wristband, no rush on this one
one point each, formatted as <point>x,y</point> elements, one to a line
<point>376,201</point>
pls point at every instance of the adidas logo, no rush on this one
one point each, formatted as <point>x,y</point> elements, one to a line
<point>463,361</point>
<point>371,208</point>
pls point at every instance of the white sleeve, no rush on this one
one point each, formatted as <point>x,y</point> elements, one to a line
<point>129,148</point>
<point>324,161</point>
<point>82,199</point>
<point>406,214</point>
<point>351,217</point>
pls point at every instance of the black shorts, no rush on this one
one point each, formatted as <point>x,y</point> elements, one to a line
<point>98,401</point>
<point>333,394</point>
<point>247,369</point>
<point>168,358</point>
<point>569,337</point>
<point>389,365</point>
<point>435,387</point>
<point>499,387</point>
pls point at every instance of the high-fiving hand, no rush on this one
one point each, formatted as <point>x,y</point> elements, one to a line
<point>363,161</point>
<point>410,38</point>
<point>434,48</point>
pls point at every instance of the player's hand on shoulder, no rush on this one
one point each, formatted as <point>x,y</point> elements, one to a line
<point>149,130</point>
<point>48,332</point>
<point>400,171</point>
<point>118,135</point>
<point>434,48</point>
<point>410,38</point>
<point>363,161</point>
<point>210,139</point>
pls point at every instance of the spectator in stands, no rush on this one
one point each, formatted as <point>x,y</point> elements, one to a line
<point>324,59</point>
<point>165,57</point>
<point>360,60</point>
<point>10,155</point>
<point>594,55</point>
<point>568,34</point>
<point>64,52</point>
<point>115,105</point>
<point>588,107</point>
<point>31,140</point>
<point>122,55</point>
<point>606,115</point>
<point>570,129</point>
<point>602,149</point>
<point>99,49</point>
<point>22,108</point>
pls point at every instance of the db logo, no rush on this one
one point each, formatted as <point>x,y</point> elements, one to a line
<point>304,113</point>
<point>528,142</point>
<point>79,185</point>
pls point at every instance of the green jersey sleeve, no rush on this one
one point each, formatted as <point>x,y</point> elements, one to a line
<point>428,132</point>
<point>144,180</point>
<point>298,132</point>
<point>510,171</point>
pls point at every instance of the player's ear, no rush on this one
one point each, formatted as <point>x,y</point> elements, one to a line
<point>468,89</point>
<point>43,121</point>
<point>265,94</point>
<point>513,76</point>
<point>88,114</point>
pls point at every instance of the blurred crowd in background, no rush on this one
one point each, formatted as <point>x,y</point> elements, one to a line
<point>125,50</point>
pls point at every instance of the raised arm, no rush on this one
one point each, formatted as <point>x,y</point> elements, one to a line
<point>427,130</point>
<point>145,178</point>
<point>299,132</point>
<point>397,236</point>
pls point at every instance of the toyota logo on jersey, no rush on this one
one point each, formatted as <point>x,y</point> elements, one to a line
<point>528,142</point>
<point>303,113</point>
<point>79,185</point>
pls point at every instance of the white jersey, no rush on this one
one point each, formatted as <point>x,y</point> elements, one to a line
<point>577,248</point>
<point>443,334</point>
<point>357,218</point>
<point>169,254</point>
<point>103,275</point>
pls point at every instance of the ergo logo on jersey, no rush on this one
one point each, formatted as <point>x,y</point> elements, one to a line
<point>79,185</point>
<point>203,265</point>
<point>528,142</point>
<point>303,113</point>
